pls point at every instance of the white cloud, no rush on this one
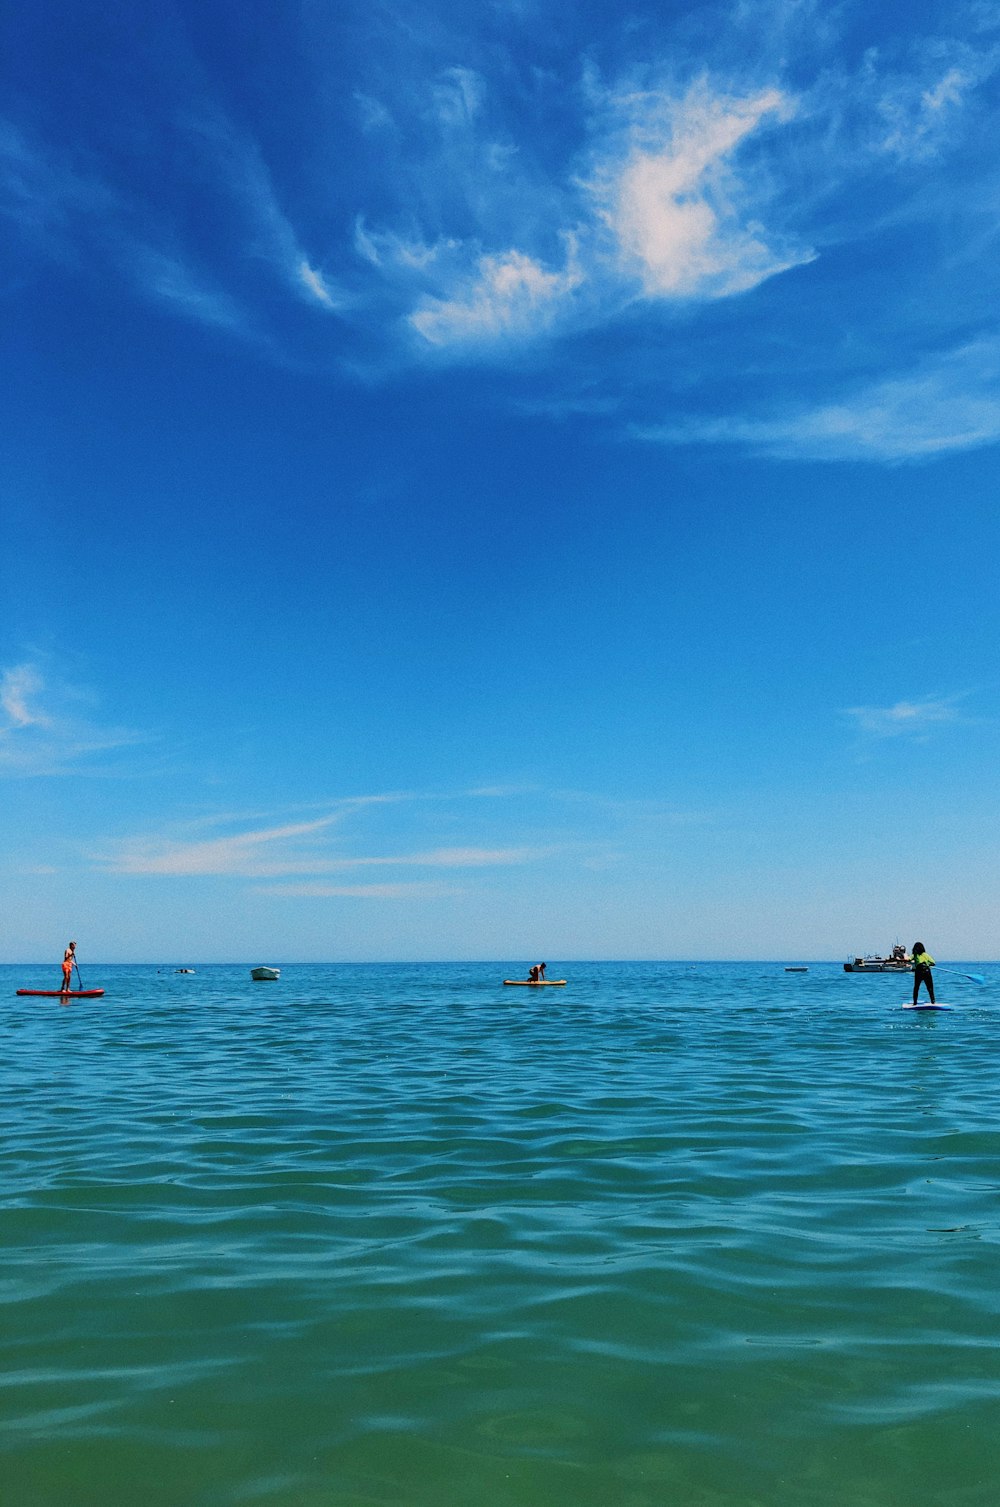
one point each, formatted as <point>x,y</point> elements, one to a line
<point>390,251</point>
<point>919,110</point>
<point>904,718</point>
<point>418,890</point>
<point>512,294</point>
<point>77,217</point>
<point>245,177</point>
<point>458,97</point>
<point>495,205</point>
<point>673,205</point>
<point>257,853</point>
<point>664,211</point>
<point>19,686</point>
<point>454,858</point>
<point>314,281</point>
<point>170,278</point>
<point>42,731</point>
<point>291,848</point>
<point>948,404</point>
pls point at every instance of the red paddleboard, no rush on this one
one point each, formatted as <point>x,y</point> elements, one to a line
<point>63,993</point>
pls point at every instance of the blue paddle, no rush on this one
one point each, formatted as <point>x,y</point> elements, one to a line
<point>976,978</point>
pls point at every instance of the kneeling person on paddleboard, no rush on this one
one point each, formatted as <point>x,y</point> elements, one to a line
<point>922,965</point>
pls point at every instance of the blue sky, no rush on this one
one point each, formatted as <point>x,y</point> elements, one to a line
<point>499,481</point>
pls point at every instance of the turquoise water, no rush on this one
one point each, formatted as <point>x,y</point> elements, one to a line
<point>701,1235</point>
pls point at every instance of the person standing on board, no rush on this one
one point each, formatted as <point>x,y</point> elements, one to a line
<point>68,964</point>
<point>922,965</point>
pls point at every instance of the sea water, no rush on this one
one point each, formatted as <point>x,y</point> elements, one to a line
<point>712,1235</point>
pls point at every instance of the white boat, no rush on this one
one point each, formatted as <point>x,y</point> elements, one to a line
<point>265,973</point>
<point>897,961</point>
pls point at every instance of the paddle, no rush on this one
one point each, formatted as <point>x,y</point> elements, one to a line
<point>975,978</point>
<point>77,967</point>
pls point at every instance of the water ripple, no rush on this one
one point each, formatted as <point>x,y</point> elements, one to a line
<point>708,1234</point>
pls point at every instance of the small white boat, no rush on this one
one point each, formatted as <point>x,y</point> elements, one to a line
<point>265,973</point>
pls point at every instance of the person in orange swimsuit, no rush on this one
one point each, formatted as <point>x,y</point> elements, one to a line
<point>68,964</point>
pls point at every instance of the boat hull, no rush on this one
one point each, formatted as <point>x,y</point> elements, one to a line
<point>263,975</point>
<point>879,965</point>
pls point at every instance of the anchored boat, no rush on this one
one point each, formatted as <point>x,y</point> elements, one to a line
<point>265,973</point>
<point>898,961</point>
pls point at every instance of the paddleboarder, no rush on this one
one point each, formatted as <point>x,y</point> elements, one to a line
<point>68,964</point>
<point>922,965</point>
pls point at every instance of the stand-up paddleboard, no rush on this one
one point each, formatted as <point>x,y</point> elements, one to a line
<point>536,983</point>
<point>925,1004</point>
<point>63,993</point>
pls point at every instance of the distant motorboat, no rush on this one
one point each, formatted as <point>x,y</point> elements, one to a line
<point>183,970</point>
<point>897,961</point>
<point>265,973</point>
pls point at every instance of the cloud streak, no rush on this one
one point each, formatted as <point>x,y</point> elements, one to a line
<point>20,687</point>
<point>291,848</point>
<point>905,719</point>
<point>418,890</point>
<point>949,404</point>
<point>43,732</point>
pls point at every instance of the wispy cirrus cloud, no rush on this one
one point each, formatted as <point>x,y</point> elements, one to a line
<point>241,174</point>
<point>45,728</point>
<point>918,107</point>
<point>368,847</point>
<point>289,848</point>
<point>418,890</point>
<point>949,403</point>
<point>907,719</point>
<point>508,295</point>
<point>656,208</point>
<point>285,849</point>
<point>693,184</point>
<point>486,209</point>
<point>73,214</point>
<point>21,686</point>
<point>674,200</point>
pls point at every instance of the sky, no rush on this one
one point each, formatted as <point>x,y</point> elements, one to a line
<point>507,481</point>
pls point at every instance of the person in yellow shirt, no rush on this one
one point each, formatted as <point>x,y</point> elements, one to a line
<point>922,965</point>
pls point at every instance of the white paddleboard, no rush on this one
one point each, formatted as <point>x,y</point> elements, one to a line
<point>925,1004</point>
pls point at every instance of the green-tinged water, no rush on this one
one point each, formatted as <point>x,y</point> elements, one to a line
<point>712,1236</point>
